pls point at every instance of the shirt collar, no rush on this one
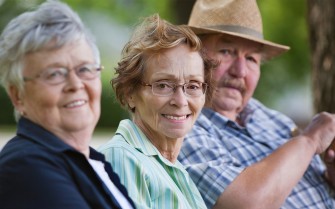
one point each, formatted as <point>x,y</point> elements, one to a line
<point>248,111</point>
<point>246,114</point>
<point>39,135</point>
<point>135,137</point>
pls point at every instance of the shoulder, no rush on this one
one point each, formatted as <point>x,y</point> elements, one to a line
<point>124,157</point>
<point>262,112</point>
<point>205,128</point>
<point>118,147</point>
<point>23,152</point>
<point>256,105</point>
<point>31,172</point>
<point>204,123</point>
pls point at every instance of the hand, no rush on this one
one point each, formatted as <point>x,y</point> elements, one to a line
<point>329,159</point>
<point>321,131</point>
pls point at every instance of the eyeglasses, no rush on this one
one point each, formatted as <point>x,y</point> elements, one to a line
<point>57,75</point>
<point>163,88</point>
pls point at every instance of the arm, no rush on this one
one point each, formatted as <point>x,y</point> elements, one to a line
<point>269,182</point>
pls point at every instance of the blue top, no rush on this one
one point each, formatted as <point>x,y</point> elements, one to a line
<point>217,150</point>
<point>152,181</point>
<point>38,170</point>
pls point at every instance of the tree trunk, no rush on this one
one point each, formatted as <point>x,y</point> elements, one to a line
<point>321,20</point>
<point>182,9</point>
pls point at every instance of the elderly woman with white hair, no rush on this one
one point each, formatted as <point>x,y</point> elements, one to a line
<point>50,67</point>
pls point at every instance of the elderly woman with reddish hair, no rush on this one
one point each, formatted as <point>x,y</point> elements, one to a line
<point>163,78</point>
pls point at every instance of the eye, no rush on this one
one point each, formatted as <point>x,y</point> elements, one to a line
<point>252,59</point>
<point>193,86</point>
<point>54,73</point>
<point>225,51</point>
<point>163,85</point>
<point>84,69</point>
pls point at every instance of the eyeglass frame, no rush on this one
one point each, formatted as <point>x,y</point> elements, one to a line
<point>175,86</point>
<point>98,69</point>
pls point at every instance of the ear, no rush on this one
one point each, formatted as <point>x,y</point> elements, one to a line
<point>131,102</point>
<point>15,97</point>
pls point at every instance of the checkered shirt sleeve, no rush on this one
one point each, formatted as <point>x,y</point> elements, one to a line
<point>217,150</point>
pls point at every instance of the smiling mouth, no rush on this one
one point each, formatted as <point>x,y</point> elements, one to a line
<point>171,117</point>
<point>76,103</point>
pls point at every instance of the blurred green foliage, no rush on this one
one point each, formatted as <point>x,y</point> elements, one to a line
<point>124,12</point>
<point>283,20</point>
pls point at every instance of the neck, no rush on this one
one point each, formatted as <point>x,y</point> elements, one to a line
<point>231,115</point>
<point>79,140</point>
<point>170,150</point>
<point>168,147</point>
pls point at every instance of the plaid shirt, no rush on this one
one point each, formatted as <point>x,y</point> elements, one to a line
<point>217,150</point>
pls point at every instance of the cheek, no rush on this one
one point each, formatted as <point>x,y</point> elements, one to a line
<point>147,113</point>
<point>98,96</point>
<point>41,107</point>
<point>253,80</point>
<point>198,104</point>
<point>97,87</point>
<point>252,85</point>
<point>220,71</point>
<point>145,104</point>
<point>42,98</point>
<point>95,91</point>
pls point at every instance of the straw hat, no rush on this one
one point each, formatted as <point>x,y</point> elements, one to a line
<point>239,18</point>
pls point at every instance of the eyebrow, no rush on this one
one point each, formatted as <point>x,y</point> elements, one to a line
<point>163,76</point>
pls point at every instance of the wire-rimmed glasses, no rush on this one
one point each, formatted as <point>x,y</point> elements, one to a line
<point>57,75</point>
<point>164,88</point>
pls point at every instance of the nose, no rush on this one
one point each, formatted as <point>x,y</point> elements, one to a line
<point>179,97</point>
<point>238,68</point>
<point>73,82</point>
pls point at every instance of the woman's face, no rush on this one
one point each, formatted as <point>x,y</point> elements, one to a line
<point>169,117</point>
<point>69,107</point>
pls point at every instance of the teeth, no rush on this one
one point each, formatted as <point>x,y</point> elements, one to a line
<point>175,118</point>
<point>76,103</point>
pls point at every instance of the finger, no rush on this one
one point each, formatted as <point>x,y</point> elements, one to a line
<point>329,156</point>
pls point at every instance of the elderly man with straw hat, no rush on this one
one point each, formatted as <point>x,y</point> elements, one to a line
<point>240,153</point>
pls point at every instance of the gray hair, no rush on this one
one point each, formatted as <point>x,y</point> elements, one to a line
<point>33,31</point>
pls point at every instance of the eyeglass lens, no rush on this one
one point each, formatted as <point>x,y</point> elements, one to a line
<point>190,89</point>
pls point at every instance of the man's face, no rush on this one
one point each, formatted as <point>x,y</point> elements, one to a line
<point>237,74</point>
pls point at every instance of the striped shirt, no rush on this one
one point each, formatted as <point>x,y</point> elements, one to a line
<point>151,180</point>
<point>217,150</point>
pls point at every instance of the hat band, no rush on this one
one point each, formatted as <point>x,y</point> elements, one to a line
<point>238,29</point>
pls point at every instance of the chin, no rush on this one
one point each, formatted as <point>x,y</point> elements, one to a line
<point>177,134</point>
<point>81,124</point>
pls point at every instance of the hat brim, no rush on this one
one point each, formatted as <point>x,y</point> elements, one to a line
<point>269,49</point>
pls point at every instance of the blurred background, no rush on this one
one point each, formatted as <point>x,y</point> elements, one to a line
<point>285,82</point>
